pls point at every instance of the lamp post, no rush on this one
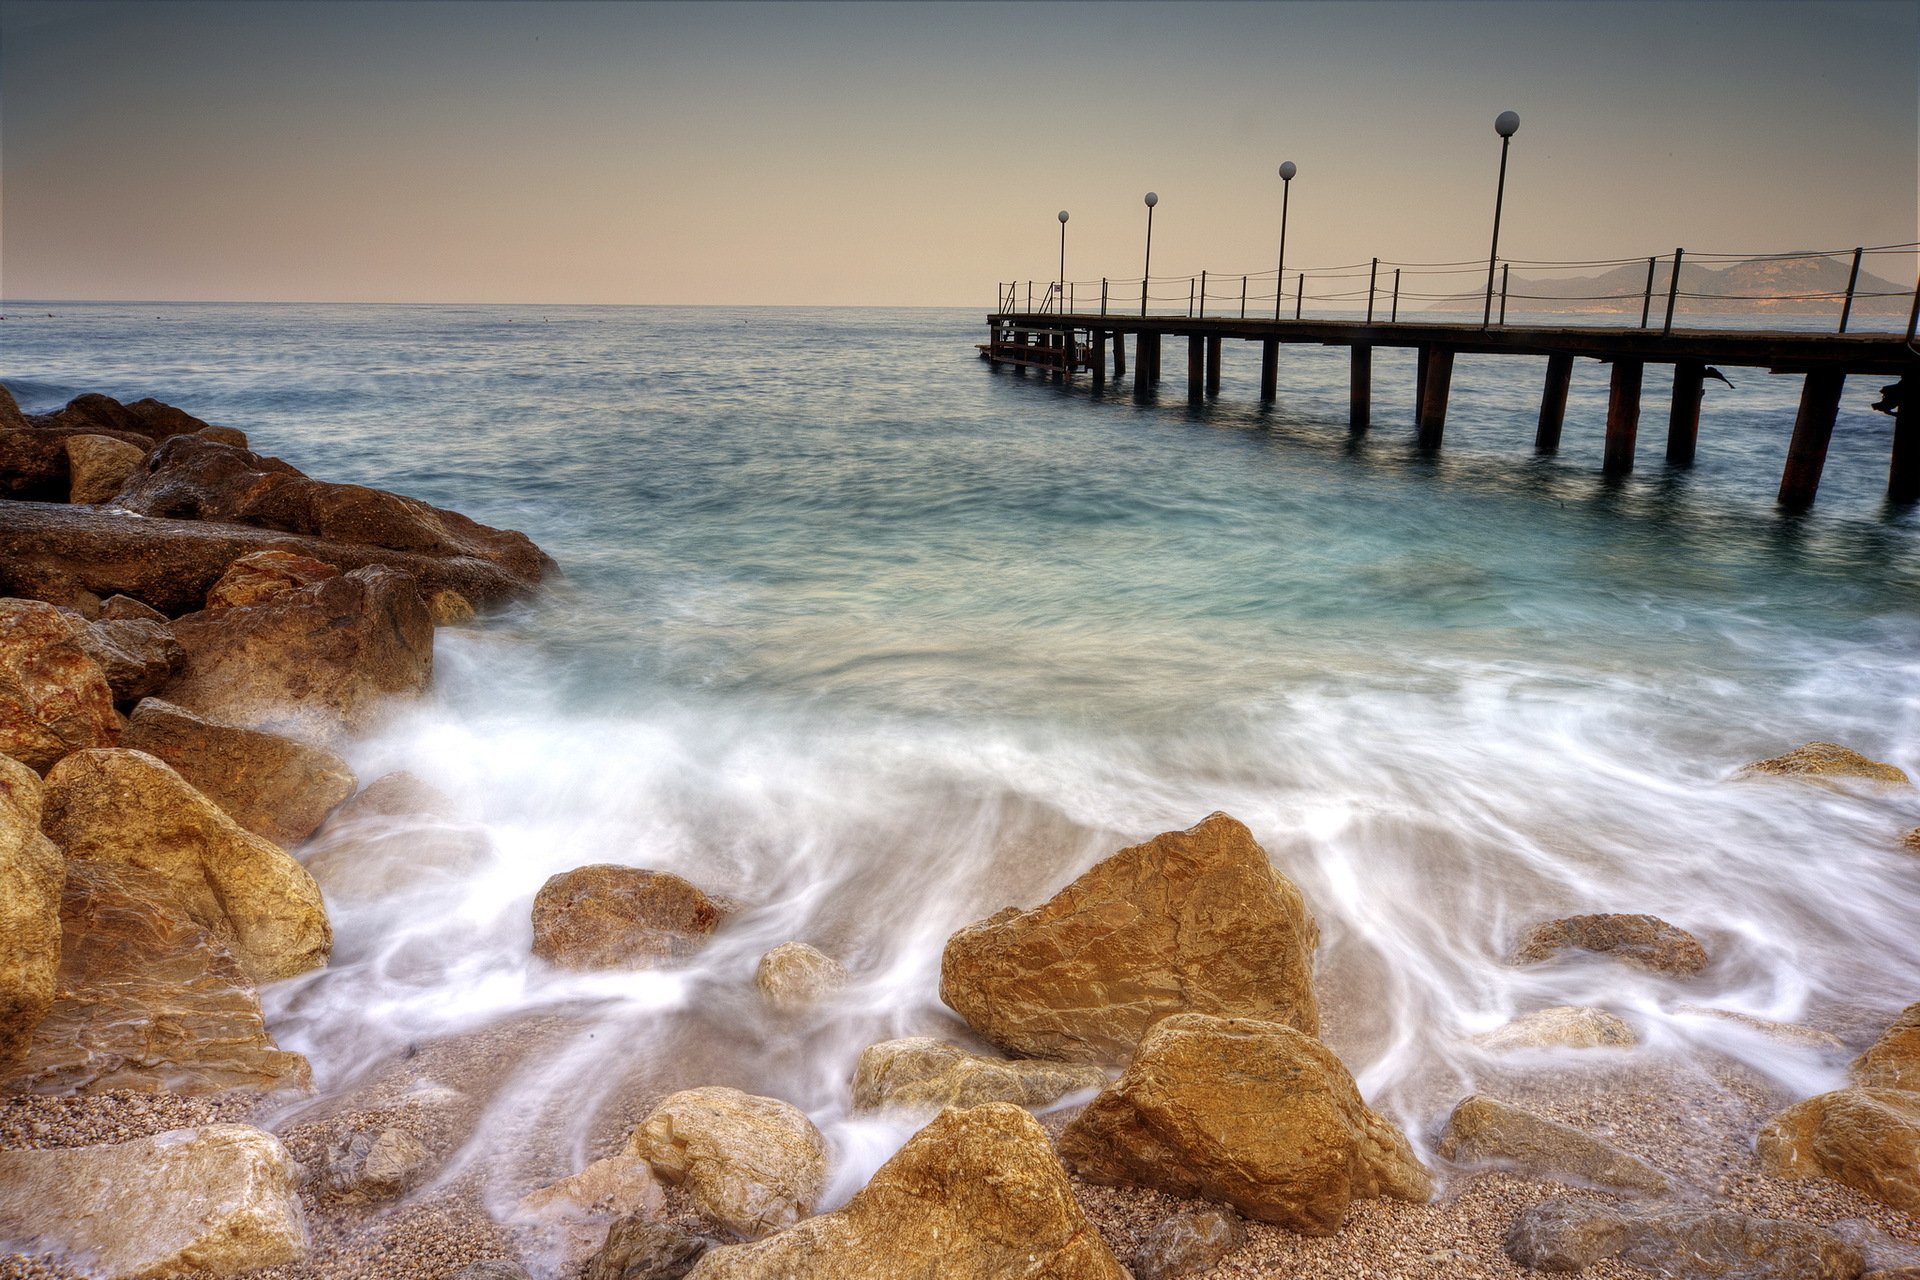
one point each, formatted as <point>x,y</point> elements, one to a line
<point>1287,170</point>
<point>1146,272</point>
<point>1506,124</point>
<point>1063,262</point>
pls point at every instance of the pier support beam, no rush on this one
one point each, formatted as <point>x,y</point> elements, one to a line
<point>1422,356</point>
<point>1683,420</point>
<point>1903,475</point>
<point>1196,367</point>
<point>1119,354</point>
<point>1812,429</point>
<point>1213,364</point>
<point>1360,389</point>
<point>1269,371</point>
<point>1433,395</point>
<point>1098,365</point>
<point>1152,342</point>
<point>1623,416</point>
<point>1146,353</point>
<point>1553,403</point>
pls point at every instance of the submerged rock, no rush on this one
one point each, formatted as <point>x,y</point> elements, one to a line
<point>1893,1061</point>
<point>639,1249</point>
<point>54,699</point>
<point>1188,1242</point>
<point>1569,1235</point>
<point>261,575</point>
<point>754,1165</point>
<point>976,1195</point>
<point>1561,1027</point>
<point>923,1072</point>
<point>216,1200</point>
<point>1190,921</point>
<point>32,875</point>
<point>98,465</point>
<point>569,1222</point>
<point>1484,1131</point>
<point>1868,1139</point>
<point>1643,941</point>
<point>1825,760</point>
<point>1251,1114</point>
<point>612,917</point>
<point>794,975</point>
<point>375,1165</point>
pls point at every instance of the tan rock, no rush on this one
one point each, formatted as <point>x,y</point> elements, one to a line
<point>1247,1113</point>
<point>128,807</point>
<point>921,1072</point>
<point>1485,1131</point>
<point>1190,921</point>
<point>98,465</point>
<point>612,917</point>
<point>1893,1062</point>
<point>1566,1234</point>
<point>32,874</point>
<point>976,1195</point>
<point>261,575</point>
<point>1561,1027</point>
<point>567,1222</point>
<point>794,975</point>
<point>137,655</point>
<point>218,1200</point>
<point>125,608</point>
<point>1868,1139</point>
<point>1818,761</point>
<point>146,1000</point>
<point>1188,1242</point>
<point>754,1165</point>
<point>1911,841</point>
<point>394,795</point>
<point>316,662</point>
<point>1784,1032</point>
<point>1645,942</point>
<point>275,787</point>
<point>639,1249</point>
<point>449,608</point>
<point>53,696</point>
<point>375,1165</point>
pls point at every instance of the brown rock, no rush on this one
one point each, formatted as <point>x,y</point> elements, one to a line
<point>1194,920</point>
<point>754,1165</point>
<point>137,655</point>
<point>11,419</point>
<point>1188,1242</point>
<point>568,1222</point>
<point>316,662</point>
<point>638,1249</point>
<point>450,608</point>
<point>794,975</point>
<point>1483,1131</point>
<point>123,608</point>
<point>141,421</point>
<point>224,435</point>
<point>32,874</point>
<point>394,795</point>
<point>217,1200</point>
<point>1785,1032</point>
<point>147,999</point>
<point>1570,1235</point>
<point>1868,1139</point>
<point>1561,1027</point>
<point>128,807</point>
<point>54,699</point>
<point>1911,840</point>
<point>33,465</point>
<point>1824,760</point>
<point>1886,1257</point>
<point>611,917</point>
<point>98,465</point>
<point>1251,1114</point>
<point>275,787</point>
<point>976,1195</point>
<point>260,575</point>
<point>1645,942</point>
<point>921,1072</point>
<point>375,1165</point>
<point>1893,1062</point>
<point>1566,1235</point>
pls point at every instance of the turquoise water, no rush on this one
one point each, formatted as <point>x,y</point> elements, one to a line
<point>877,640</point>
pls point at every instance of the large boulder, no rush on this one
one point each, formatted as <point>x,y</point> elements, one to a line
<point>754,1165</point>
<point>53,696</point>
<point>1569,1235</point>
<point>921,1072</point>
<point>1484,1131</point>
<point>1643,941</point>
<point>128,807</point>
<point>1191,921</point>
<point>976,1195</point>
<point>612,917</point>
<point>1868,1139</point>
<point>137,655</point>
<point>260,574</point>
<point>1893,1061</point>
<point>1824,761</point>
<point>216,1200</point>
<point>1247,1113</point>
<point>32,874</point>
<point>276,787</point>
<point>317,662</point>
<point>98,465</point>
<point>147,999</point>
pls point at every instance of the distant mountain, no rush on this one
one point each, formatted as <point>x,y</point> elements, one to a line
<point>1786,285</point>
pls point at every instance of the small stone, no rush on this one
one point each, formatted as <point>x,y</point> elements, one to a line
<point>99,465</point>
<point>613,917</point>
<point>754,1165</point>
<point>261,575</point>
<point>1484,1131</point>
<point>923,1072</point>
<point>373,1165</point>
<point>1645,942</point>
<point>1188,1242</point>
<point>1561,1027</point>
<point>1825,760</point>
<point>1911,841</point>
<point>125,608</point>
<point>794,975</point>
<point>491,1269</point>
<point>638,1249</point>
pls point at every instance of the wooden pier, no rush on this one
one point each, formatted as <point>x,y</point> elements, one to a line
<point>1066,345</point>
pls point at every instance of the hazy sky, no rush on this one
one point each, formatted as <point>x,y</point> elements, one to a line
<point>915,154</point>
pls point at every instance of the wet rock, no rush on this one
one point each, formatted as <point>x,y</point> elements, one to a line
<point>1561,1027</point>
<point>261,575</point>
<point>1868,1139</point>
<point>1886,1258</point>
<point>1483,1131</point>
<point>128,807</point>
<point>491,1269</point>
<point>1565,1235</point>
<point>638,1249</point>
<point>1188,1242</point>
<point>1194,920</point>
<point>394,795</point>
<point>316,662</point>
<point>98,465</point>
<point>124,608</point>
<point>450,609</point>
<point>217,1200</point>
<point>1251,1114</point>
<point>612,917</point>
<point>794,975</point>
<point>754,1165</point>
<point>1645,942</point>
<point>146,999</point>
<point>1824,760</point>
<point>1893,1061</point>
<point>54,698</point>
<point>143,421</point>
<point>1784,1032</point>
<point>568,1222</point>
<point>921,1072</point>
<point>137,655</point>
<point>1570,1235</point>
<point>375,1165</point>
<point>378,858</point>
<point>33,465</point>
<point>976,1195</point>
<point>275,787</point>
<point>32,874</point>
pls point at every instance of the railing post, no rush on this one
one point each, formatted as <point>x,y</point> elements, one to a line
<point>1673,292</point>
<point>1853,278</point>
<point>1243,297</point>
<point>1505,267</point>
<point>1103,295</point>
<point>1029,297</point>
<point>1372,272</point>
<point>1203,295</point>
<point>1189,297</point>
<point>1300,297</point>
<point>1913,316</point>
<point>1143,300</point>
<point>1394,318</point>
<point>1069,299</point>
<point>1646,303</point>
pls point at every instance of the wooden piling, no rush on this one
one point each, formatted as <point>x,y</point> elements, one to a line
<point>1433,396</point>
<point>1119,354</point>
<point>1812,429</point>
<point>1553,403</point>
<point>1269,371</point>
<point>1683,420</point>
<point>1421,355</point>
<point>1623,416</point>
<point>1153,360</point>
<point>1196,366</point>
<point>1213,364</point>
<point>1903,473</point>
<point>1360,389</point>
<point>1098,365</point>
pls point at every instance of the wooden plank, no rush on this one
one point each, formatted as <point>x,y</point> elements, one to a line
<point>1553,403</point>
<point>1812,430</point>
<point>1623,417</point>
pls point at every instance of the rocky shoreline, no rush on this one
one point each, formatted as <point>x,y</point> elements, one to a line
<point>1152,1087</point>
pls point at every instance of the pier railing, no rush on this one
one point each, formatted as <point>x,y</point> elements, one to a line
<point>1657,291</point>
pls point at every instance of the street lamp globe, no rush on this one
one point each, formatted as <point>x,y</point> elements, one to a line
<point>1507,123</point>
<point>1152,199</point>
<point>1063,215</point>
<point>1287,170</point>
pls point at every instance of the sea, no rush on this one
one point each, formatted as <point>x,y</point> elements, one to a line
<point>874,640</point>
